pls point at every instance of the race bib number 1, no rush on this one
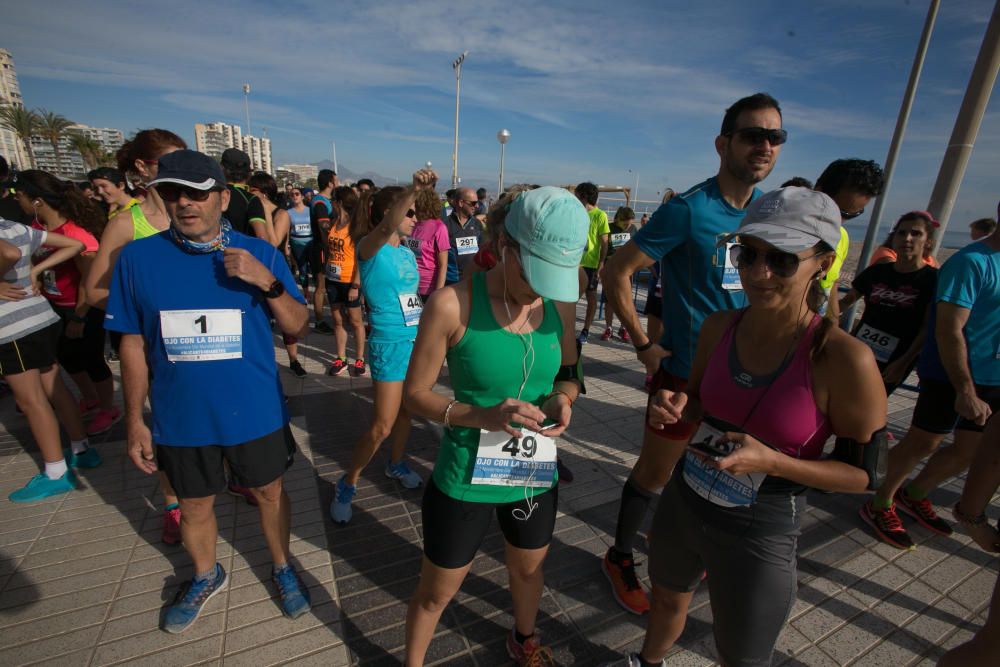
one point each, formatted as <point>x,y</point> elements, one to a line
<point>467,245</point>
<point>202,335</point>
<point>412,307</point>
<point>504,460</point>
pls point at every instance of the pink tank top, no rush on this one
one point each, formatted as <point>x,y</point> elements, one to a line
<point>779,409</point>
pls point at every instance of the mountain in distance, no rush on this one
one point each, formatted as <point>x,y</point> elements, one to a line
<point>345,174</point>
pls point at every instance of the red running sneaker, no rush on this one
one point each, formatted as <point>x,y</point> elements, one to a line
<point>606,335</point>
<point>337,367</point>
<point>359,366</point>
<point>886,525</point>
<point>624,335</point>
<point>625,585</point>
<point>171,526</point>
<point>530,653</point>
<point>923,512</point>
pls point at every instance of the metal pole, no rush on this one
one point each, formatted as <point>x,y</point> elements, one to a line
<point>635,193</point>
<point>897,138</point>
<point>500,185</point>
<point>335,157</point>
<point>246,105</point>
<point>970,116</point>
<point>503,136</point>
<point>457,66</point>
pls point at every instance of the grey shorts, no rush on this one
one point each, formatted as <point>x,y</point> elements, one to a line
<point>751,580</point>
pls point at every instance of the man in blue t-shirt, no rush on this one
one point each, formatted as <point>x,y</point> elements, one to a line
<point>698,279</point>
<point>959,372</point>
<point>194,305</point>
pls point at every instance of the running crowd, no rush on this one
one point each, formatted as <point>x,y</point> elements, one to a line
<point>756,394</point>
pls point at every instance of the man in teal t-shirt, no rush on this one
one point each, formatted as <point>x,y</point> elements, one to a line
<point>596,252</point>
<point>698,279</point>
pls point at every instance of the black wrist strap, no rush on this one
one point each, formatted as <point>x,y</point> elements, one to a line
<point>642,348</point>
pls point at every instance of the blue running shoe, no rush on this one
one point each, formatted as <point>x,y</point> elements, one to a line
<point>40,487</point>
<point>340,508</point>
<point>294,594</point>
<point>402,472</point>
<point>89,458</point>
<point>191,599</point>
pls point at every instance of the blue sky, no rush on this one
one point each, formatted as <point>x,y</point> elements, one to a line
<point>589,90</point>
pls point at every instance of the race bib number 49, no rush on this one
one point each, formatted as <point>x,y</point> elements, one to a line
<point>202,335</point>
<point>505,460</point>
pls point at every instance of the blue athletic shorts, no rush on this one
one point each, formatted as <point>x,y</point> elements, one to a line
<point>389,361</point>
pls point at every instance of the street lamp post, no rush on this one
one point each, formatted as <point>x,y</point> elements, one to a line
<point>246,104</point>
<point>457,66</point>
<point>503,136</point>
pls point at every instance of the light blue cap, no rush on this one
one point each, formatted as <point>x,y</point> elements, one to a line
<point>550,224</point>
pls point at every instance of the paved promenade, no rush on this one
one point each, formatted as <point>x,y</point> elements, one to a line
<point>83,577</point>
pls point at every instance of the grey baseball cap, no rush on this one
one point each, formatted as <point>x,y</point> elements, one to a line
<point>792,219</point>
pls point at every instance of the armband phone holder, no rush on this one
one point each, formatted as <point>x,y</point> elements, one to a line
<point>871,456</point>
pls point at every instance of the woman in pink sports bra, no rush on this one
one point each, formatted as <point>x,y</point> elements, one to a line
<point>774,373</point>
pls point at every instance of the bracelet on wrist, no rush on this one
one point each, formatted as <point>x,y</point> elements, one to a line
<point>560,391</point>
<point>645,346</point>
<point>447,414</point>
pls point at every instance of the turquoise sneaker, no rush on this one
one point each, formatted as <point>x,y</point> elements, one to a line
<point>294,594</point>
<point>40,487</point>
<point>87,459</point>
<point>340,508</point>
<point>191,599</point>
<point>401,472</point>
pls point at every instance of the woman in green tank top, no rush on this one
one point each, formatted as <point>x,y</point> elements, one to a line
<point>512,359</point>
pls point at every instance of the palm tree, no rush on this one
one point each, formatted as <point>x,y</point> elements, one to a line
<point>90,150</point>
<point>53,126</point>
<point>22,122</point>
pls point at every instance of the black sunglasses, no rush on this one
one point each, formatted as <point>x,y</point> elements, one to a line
<point>171,192</point>
<point>410,213</point>
<point>850,216</point>
<point>757,135</point>
<point>780,263</point>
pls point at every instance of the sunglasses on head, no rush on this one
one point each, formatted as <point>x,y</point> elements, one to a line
<point>171,192</point>
<point>757,135</point>
<point>780,263</point>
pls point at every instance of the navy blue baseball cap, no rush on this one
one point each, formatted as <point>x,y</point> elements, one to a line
<point>191,168</point>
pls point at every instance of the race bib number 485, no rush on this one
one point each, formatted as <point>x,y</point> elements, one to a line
<point>202,335</point>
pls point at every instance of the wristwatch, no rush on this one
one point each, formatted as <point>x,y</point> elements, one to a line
<point>276,289</point>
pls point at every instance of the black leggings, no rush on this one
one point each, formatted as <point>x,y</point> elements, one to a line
<point>454,529</point>
<point>86,354</point>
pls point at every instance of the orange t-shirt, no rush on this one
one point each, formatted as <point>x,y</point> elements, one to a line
<point>882,252</point>
<point>340,255</point>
